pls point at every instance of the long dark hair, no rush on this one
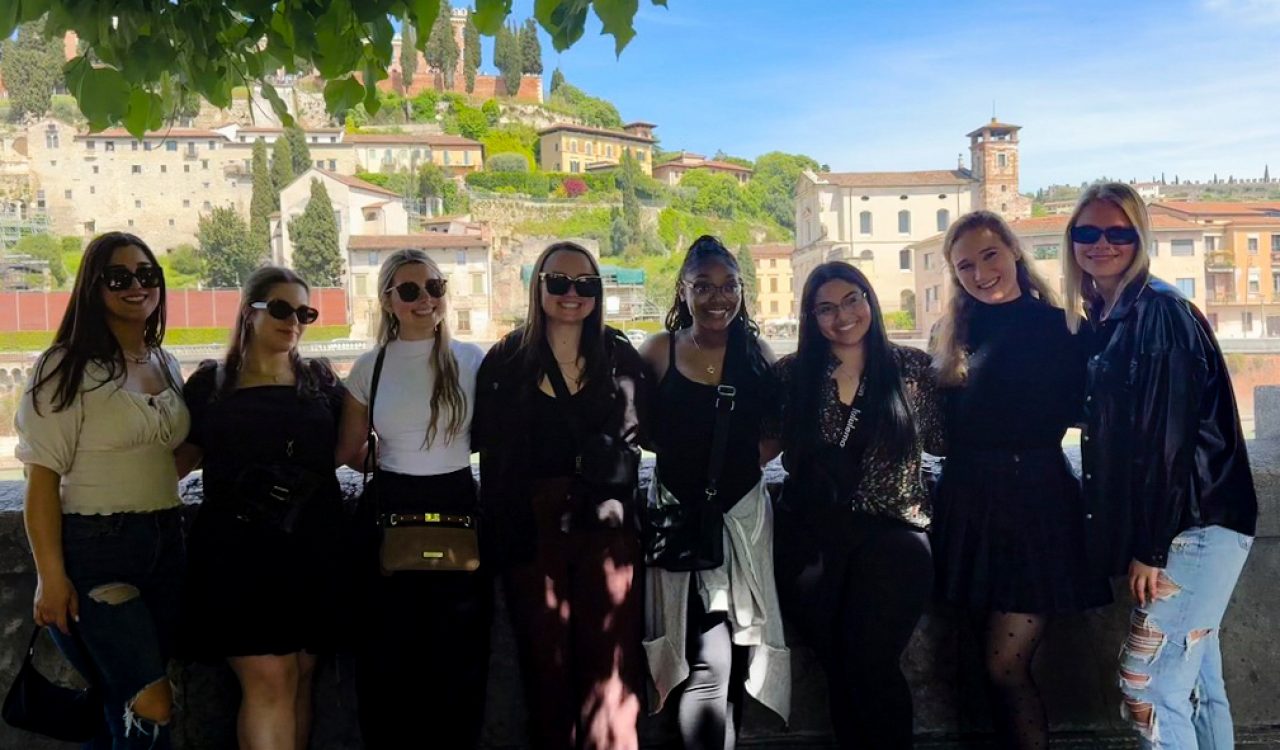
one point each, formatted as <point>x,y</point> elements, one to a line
<point>591,346</point>
<point>744,335</point>
<point>83,336</point>
<point>889,416</point>
<point>309,377</point>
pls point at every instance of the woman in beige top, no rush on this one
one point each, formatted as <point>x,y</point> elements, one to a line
<point>97,429</point>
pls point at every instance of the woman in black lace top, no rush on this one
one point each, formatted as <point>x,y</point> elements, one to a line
<point>1008,529</point>
<point>852,558</point>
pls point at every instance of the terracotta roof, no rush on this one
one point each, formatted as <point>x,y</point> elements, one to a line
<point>1057,224</point>
<point>772,250</point>
<point>429,139</point>
<point>993,125</point>
<point>170,133</point>
<point>713,164</point>
<point>1227,208</point>
<point>898,179</point>
<point>263,129</point>
<point>421,241</point>
<point>641,123</point>
<point>357,183</point>
<point>619,134</point>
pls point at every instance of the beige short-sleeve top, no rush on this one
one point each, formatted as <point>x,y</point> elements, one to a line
<point>113,448</point>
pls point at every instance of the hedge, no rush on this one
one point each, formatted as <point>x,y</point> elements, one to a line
<point>35,341</point>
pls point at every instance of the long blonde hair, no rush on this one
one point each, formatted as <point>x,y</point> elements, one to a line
<point>1080,287</point>
<point>950,358</point>
<point>446,393</point>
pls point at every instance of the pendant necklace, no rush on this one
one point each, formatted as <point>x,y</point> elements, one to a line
<point>711,369</point>
<point>139,359</point>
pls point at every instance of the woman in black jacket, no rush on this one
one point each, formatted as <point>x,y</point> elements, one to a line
<point>1169,497</point>
<point>559,409</point>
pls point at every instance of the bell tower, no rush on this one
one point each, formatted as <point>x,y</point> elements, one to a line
<point>993,154</point>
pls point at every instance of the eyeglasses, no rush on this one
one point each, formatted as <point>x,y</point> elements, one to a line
<point>410,292</point>
<point>1087,234</point>
<point>704,289</point>
<point>119,278</point>
<point>848,304</point>
<point>281,310</point>
<point>559,283</point>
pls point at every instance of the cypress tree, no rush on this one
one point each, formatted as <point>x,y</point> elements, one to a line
<point>264,200</point>
<point>750,282</point>
<point>471,59</point>
<point>557,80</point>
<point>442,49</point>
<point>226,255</point>
<point>281,166</point>
<point>530,48</point>
<point>316,255</point>
<point>299,151</point>
<point>408,56</point>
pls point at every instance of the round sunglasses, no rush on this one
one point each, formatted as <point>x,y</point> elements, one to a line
<point>281,310</point>
<point>119,278</point>
<point>411,292</point>
<point>1087,234</point>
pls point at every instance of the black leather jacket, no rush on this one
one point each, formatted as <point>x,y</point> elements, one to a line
<point>503,431</point>
<point>1162,444</point>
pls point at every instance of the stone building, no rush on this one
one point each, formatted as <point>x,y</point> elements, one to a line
<point>580,148</point>
<point>871,219</point>
<point>1177,256</point>
<point>776,301</point>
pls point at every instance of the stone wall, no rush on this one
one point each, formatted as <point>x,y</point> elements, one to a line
<point>1075,667</point>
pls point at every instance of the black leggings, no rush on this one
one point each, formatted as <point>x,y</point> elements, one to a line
<point>857,589</point>
<point>711,704</point>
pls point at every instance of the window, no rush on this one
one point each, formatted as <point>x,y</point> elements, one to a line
<point>40,202</point>
<point>362,284</point>
<point>66,194</point>
<point>773,284</point>
<point>928,261</point>
<point>1246,321</point>
<point>477,283</point>
<point>1275,282</point>
<point>773,306</point>
<point>51,137</point>
<point>466,158</point>
<point>90,146</point>
<point>146,145</point>
<point>170,222</point>
<point>591,148</point>
<point>1002,160</point>
<point>212,145</point>
<point>1004,207</point>
<point>1004,188</point>
<point>95,168</point>
<point>93,189</point>
<point>573,147</point>
<point>1275,243</point>
<point>1155,248</point>
<point>864,222</point>
<point>608,149</point>
<point>164,169</point>
<point>130,222</point>
<point>109,146</point>
<point>1210,244</point>
<point>319,164</point>
<point>134,144</point>
<point>944,219</point>
<point>460,257</point>
<point>373,155</point>
<point>1045,252</point>
<point>904,259</point>
<point>447,160</point>
<point>206,205</point>
<point>186,203</point>
<point>333,164</point>
<point>371,258</point>
<point>137,169</point>
<point>639,155</point>
<point>204,163</point>
<point>1255,281</point>
<point>573,166</point>
<point>904,222</point>
<point>170,145</point>
<point>1253,245</point>
<point>137,203</point>
<point>1188,287</point>
<point>1182,248</point>
<point>464,321</point>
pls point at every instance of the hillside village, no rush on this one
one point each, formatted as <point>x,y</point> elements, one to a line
<point>481,171</point>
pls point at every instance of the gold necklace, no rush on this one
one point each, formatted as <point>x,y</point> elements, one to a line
<point>711,369</point>
<point>137,359</point>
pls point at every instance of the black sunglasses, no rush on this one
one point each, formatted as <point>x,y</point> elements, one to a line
<point>559,283</point>
<point>410,292</point>
<point>281,310</point>
<point>119,278</point>
<point>1087,234</point>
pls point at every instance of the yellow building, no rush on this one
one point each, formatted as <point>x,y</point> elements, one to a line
<point>1242,263</point>
<point>775,303</point>
<point>390,152</point>
<point>579,148</point>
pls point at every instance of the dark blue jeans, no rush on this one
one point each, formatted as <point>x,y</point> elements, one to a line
<point>127,572</point>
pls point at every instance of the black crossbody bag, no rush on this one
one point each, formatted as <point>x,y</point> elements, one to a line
<point>37,704</point>
<point>605,467</point>
<point>416,541</point>
<point>681,536</point>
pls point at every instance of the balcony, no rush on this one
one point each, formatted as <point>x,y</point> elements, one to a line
<point>1221,297</point>
<point>1219,261</point>
<point>190,155</point>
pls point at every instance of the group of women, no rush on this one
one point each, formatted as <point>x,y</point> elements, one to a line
<point>600,595</point>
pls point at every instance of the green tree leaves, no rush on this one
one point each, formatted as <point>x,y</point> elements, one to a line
<point>316,255</point>
<point>31,67</point>
<point>226,255</point>
<point>264,201</point>
<point>441,51</point>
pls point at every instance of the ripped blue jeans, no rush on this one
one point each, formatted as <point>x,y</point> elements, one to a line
<point>127,570</point>
<point>1171,661</point>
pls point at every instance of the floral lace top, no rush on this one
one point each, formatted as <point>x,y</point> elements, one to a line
<point>885,487</point>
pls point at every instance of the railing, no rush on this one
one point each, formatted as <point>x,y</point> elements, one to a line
<point>1217,297</point>
<point>1219,261</point>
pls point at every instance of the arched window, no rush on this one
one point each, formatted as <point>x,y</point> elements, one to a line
<point>864,222</point>
<point>904,222</point>
<point>865,257</point>
<point>944,219</point>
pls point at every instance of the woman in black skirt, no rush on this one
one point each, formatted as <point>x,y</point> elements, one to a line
<point>1008,530</point>
<point>261,562</point>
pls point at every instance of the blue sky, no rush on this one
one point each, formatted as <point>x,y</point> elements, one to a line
<point>1122,89</point>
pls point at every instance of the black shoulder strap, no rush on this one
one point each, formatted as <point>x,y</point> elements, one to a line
<point>371,458</point>
<point>726,394</point>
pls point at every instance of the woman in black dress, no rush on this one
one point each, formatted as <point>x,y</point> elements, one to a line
<point>853,564</point>
<point>1008,530</point>
<point>261,572</point>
